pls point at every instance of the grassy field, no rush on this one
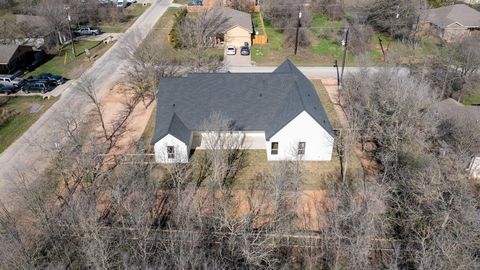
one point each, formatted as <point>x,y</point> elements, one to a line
<point>21,118</point>
<point>148,132</point>
<point>325,47</point>
<point>158,36</point>
<point>257,24</point>
<point>473,98</point>
<point>327,104</point>
<point>133,12</point>
<point>66,65</point>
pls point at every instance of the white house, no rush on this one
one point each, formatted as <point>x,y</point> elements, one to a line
<point>279,112</point>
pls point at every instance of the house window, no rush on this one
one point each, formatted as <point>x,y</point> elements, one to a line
<point>274,150</point>
<point>301,148</point>
<point>170,152</point>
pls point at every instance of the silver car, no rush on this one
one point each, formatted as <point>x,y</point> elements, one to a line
<point>10,81</point>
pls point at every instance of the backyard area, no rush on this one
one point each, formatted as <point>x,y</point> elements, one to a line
<point>68,66</point>
<point>132,13</point>
<point>325,37</point>
<point>17,114</point>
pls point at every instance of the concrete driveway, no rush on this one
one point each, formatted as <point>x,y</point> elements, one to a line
<point>237,60</point>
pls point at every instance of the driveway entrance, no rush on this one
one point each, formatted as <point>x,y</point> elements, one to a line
<point>237,60</point>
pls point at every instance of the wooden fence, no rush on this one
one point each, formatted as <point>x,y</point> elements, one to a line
<point>260,39</point>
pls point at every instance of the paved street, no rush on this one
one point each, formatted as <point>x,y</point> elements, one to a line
<point>31,151</point>
<point>310,72</point>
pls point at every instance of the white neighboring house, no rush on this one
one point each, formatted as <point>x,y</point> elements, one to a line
<point>279,112</point>
<point>475,167</point>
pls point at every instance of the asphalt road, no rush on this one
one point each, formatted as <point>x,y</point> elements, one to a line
<point>31,152</point>
<point>310,72</point>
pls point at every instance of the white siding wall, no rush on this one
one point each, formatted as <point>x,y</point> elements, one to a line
<point>319,144</point>
<point>181,150</point>
<point>252,139</point>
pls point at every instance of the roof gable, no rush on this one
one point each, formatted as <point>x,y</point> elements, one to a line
<point>460,13</point>
<point>237,18</point>
<point>176,128</point>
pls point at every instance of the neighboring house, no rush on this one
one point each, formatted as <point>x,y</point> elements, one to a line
<point>453,22</point>
<point>36,32</point>
<point>451,110</point>
<point>15,57</point>
<point>226,3</point>
<point>471,2</point>
<point>33,31</point>
<point>278,112</point>
<point>239,29</point>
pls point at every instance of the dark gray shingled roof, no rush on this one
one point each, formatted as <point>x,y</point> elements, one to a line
<point>235,18</point>
<point>450,109</point>
<point>7,52</point>
<point>239,18</point>
<point>460,13</point>
<point>253,101</point>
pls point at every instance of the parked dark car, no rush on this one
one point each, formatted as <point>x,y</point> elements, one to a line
<point>50,77</point>
<point>245,50</point>
<point>7,90</point>
<point>38,86</point>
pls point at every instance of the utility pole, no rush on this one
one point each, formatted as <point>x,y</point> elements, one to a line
<point>345,46</point>
<point>335,65</point>
<point>298,29</point>
<point>383,50</point>
<point>70,30</point>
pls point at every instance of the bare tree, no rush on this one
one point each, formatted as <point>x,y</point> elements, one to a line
<point>397,17</point>
<point>284,16</point>
<point>202,29</point>
<point>394,112</point>
<point>333,9</point>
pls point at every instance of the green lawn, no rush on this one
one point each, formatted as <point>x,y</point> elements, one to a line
<point>327,104</point>
<point>66,65</point>
<point>133,12</point>
<point>473,99</point>
<point>257,23</point>
<point>183,2</point>
<point>325,47</point>
<point>22,119</point>
<point>322,51</point>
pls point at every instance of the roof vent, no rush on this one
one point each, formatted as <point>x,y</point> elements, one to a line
<point>314,107</point>
<point>261,94</point>
<point>308,94</point>
<point>173,105</point>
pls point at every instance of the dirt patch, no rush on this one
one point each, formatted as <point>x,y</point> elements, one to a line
<point>113,106</point>
<point>330,85</point>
